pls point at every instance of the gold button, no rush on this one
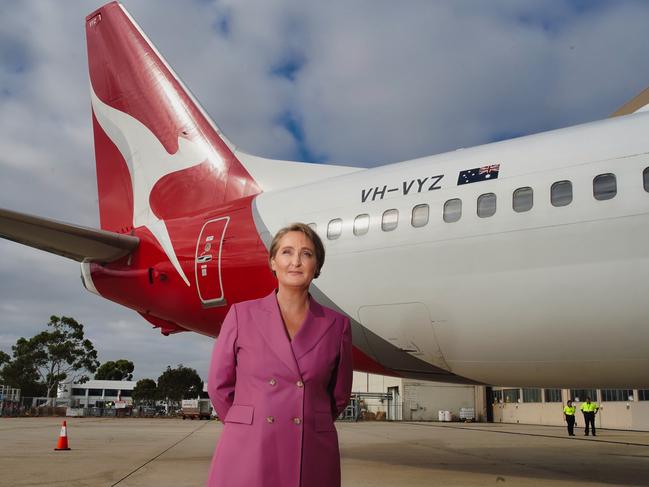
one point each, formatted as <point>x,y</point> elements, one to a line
<point>270,419</point>
<point>297,420</point>
<point>299,383</point>
<point>272,382</point>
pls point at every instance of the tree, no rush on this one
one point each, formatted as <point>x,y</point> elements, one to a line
<point>121,369</point>
<point>145,392</point>
<point>179,383</point>
<point>58,354</point>
<point>21,373</point>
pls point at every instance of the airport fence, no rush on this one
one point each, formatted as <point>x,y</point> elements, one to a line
<point>37,407</point>
<point>16,409</point>
<point>359,409</point>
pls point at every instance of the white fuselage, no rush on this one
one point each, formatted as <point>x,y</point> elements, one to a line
<point>553,296</point>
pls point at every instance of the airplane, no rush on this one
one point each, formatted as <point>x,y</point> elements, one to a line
<point>519,262</point>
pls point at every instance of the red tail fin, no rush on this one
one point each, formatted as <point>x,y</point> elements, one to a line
<point>158,154</point>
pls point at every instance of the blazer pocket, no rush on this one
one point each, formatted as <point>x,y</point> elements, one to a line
<point>324,422</point>
<point>239,413</point>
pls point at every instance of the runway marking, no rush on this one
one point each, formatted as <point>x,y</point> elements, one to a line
<point>161,453</point>
<point>528,434</point>
<point>626,456</point>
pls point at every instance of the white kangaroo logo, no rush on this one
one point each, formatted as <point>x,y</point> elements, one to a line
<point>148,161</point>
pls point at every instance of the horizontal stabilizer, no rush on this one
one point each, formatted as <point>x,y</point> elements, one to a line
<point>273,175</point>
<point>71,241</point>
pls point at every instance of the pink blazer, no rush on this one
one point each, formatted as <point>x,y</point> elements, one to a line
<point>278,398</point>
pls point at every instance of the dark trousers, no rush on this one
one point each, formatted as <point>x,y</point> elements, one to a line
<point>589,418</point>
<point>570,419</point>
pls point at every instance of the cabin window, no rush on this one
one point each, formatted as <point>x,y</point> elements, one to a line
<point>645,178</point>
<point>452,210</point>
<point>420,215</point>
<point>523,199</point>
<point>486,205</point>
<point>604,187</point>
<point>334,229</point>
<point>361,224</point>
<point>390,220</point>
<point>561,193</point>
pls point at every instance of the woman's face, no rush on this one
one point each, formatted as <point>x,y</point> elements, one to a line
<point>295,261</point>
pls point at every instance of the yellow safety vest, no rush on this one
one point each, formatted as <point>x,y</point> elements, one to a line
<point>569,410</point>
<point>589,407</point>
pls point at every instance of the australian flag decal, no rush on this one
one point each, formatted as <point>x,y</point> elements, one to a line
<point>478,174</point>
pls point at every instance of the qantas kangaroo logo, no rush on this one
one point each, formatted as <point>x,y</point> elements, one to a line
<point>148,162</point>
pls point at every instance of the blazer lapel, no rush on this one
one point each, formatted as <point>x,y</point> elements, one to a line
<point>312,330</point>
<point>272,329</point>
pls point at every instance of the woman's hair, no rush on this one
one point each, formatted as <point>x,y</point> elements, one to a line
<point>311,235</point>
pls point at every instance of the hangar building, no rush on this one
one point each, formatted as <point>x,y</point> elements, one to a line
<point>415,400</point>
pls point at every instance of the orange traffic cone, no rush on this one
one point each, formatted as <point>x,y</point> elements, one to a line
<point>62,444</point>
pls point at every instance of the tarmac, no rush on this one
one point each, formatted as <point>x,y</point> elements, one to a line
<point>172,452</point>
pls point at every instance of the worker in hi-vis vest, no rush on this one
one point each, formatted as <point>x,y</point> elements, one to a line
<point>569,413</point>
<point>589,409</point>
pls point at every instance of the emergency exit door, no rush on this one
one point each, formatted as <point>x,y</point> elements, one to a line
<point>208,262</point>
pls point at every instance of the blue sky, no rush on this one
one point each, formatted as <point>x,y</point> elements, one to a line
<point>362,83</point>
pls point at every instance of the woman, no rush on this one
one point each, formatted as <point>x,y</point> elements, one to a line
<point>281,373</point>
<point>569,414</point>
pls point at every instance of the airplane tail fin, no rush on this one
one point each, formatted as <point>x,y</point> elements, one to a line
<point>158,154</point>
